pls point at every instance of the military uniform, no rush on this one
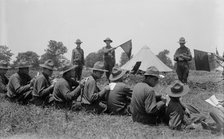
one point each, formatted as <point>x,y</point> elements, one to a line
<point>109,60</point>
<point>182,63</point>
<point>41,90</point>
<point>19,88</point>
<point>144,105</point>
<point>118,99</point>
<point>78,59</point>
<point>65,91</point>
<point>3,83</point>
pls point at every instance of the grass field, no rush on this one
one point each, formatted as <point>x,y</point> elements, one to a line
<point>17,121</point>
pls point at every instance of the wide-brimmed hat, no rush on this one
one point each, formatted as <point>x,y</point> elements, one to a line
<point>68,67</point>
<point>117,73</point>
<point>182,40</point>
<point>108,39</point>
<point>152,71</point>
<point>49,64</point>
<point>99,66</point>
<point>23,64</point>
<point>177,89</point>
<point>78,41</point>
<point>4,64</point>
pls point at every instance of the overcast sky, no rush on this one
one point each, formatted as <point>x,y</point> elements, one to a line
<point>28,25</point>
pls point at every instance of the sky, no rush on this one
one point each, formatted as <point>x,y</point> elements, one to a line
<point>28,25</point>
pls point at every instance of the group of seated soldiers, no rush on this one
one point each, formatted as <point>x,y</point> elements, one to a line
<point>117,98</point>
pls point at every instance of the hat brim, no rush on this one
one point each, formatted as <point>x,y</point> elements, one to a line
<point>47,67</point>
<point>78,42</point>
<point>111,78</point>
<point>108,40</point>
<point>73,67</point>
<point>171,94</point>
<point>21,67</point>
<point>5,67</point>
<point>99,69</point>
<point>155,75</point>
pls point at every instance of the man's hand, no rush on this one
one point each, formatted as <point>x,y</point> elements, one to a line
<point>107,88</point>
<point>82,83</point>
<point>32,82</point>
<point>187,112</point>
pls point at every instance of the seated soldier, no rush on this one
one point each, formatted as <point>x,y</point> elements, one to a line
<point>3,79</point>
<point>66,88</point>
<point>119,97</point>
<point>146,106</point>
<point>42,85</point>
<point>92,95</point>
<point>20,84</point>
<point>177,114</point>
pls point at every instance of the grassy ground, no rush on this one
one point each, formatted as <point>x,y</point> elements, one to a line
<point>17,121</point>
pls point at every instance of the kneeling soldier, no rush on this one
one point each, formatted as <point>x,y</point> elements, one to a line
<point>42,85</point>
<point>20,84</point>
<point>66,88</point>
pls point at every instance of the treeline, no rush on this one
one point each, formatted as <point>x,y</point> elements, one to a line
<point>56,50</point>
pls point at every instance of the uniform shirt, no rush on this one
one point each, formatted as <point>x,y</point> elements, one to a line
<point>91,91</point>
<point>143,101</point>
<point>77,56</point>
<point>175,113</point>
<point>63,91</point>
<point>117,98</point>
<point>109,57</point>
<point>18,84</point>
<point>3,83</point>
<point>184,51</point>
<point>42,86</point>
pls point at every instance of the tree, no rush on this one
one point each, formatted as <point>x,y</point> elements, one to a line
<point>93,57</point>
<point>55,51</point>
<point>5,53</point>
<point>124,58</point>
<point>31,57</point>
<point>164,58</point>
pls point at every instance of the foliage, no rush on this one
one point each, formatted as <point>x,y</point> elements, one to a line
<point>31,57</point>
<point>164,58</point>
<point>54,51</point>
<point>5,53</point>
<point>93,57</point>
<point>124,58</point>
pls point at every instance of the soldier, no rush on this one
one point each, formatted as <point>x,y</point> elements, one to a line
<point>20,84</point>
<point>109,56</point>
<point>182,56</point>
<point>66,89</point>
<point>42,85</point>
<point>147,107</point>
<point>119,98</point>
<point>92,96</point>
<point>3,79</point>
<point>78,59</point>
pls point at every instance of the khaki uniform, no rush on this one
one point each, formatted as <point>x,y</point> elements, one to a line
<point>182,63</point>
<point>145,106</point>
<point>91,97</point>
<point>3,83</point>
<point>78,59</point>
<point>18,88</point>
<point>118,99</point>
<point>42,89</point>
<point>109,60</point>
<point>65,92</point>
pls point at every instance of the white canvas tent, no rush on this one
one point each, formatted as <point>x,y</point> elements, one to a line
<point>147,59</point>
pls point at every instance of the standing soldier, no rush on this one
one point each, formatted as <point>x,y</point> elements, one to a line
<point>182,56</point>
<point>3,79</point>
<point>108,57</point>
<point>78,59</point>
